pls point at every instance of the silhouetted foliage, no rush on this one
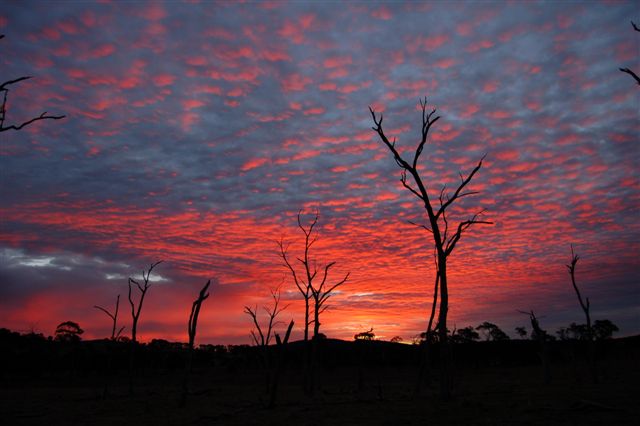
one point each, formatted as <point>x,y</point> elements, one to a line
<point>365,335</point>
<point>492,332</point>
<point>465,335</point>
<point>68,331</point>
<point>601,329</point>
<point>396,339</point>
<point>4,89</point>
<point>604,329</point>
<point>444,238</point>
<point>522,332</point>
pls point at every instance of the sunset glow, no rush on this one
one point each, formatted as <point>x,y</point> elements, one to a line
<point>194,133</point>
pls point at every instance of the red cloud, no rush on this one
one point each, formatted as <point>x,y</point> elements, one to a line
<point>295,32</point>
<point>445,63</point>
<point>162,80</point>
<point>499,114</point>
<point>254,163</point>
<point>337,61</point>
<point>479,45</point>
<point>382,13</point>
<point>434,42</point>
<point>314,111</point>
<point>295,82</point>
<point>192,103</point>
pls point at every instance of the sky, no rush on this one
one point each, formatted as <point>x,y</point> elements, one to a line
<point>195,132</point>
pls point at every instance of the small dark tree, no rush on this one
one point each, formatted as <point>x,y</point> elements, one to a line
<point>444,238</point>
<point>466,335</point>
<point>396,339</point>
<point>114,319</point>
<point>604,329</point>
<point>627,70</point>
<point>365,335</point>
<point>4,89</point>
<point>522,332</point>
<point>68,331</point>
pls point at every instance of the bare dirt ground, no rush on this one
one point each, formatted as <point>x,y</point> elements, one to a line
<point>484,396</point>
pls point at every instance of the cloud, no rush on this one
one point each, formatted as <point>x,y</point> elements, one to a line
<point>195,135</point>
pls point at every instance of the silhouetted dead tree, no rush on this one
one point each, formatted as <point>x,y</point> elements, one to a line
<point>321,294</point>
<point>445,238</point>
<point>585,305</point>
<point>542,337</point>
<point>310,289</point>
<point>143,288</point>
<point>627,70</point>
<point>192,328</point>
<point>262,337</point>
<point>303,284</point>
<point>114,337</point>
<point>135,315</point>
<point>114,318</point>
<point>280,362</point>
<point>4,88</point>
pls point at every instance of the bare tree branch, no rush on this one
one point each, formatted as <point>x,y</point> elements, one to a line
<point>631,73</point>
<point>4,87</point>
<point>114,318</point>
<point>627,70</point>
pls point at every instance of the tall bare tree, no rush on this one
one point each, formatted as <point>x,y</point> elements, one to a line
<point>445,236</point>
<point>114,319</point>
<point>143,288</point>
<point>4,89</point>
<point>627,70</point>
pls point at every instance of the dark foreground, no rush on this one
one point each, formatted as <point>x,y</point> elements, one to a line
<point>496,383</point>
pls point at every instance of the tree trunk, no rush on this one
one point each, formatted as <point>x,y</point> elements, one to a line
<point>446,380</point>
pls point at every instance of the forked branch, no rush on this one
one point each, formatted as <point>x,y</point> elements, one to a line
<point>4,88</point>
